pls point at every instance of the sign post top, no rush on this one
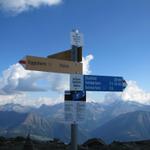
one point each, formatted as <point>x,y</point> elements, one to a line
<point>75,30</point>
<point>76,38</point>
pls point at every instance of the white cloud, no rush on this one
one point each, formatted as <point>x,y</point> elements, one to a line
<point>18,6</point>
<point>134,93</point>
<point>131,93</point>
<point>16,79</point>
<point>58,82</point>
<point>86,64</point>
<point>25,100</point>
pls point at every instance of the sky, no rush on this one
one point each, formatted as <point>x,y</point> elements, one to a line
<point>116,43</point>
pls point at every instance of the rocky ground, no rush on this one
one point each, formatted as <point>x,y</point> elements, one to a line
<point>20,143</point>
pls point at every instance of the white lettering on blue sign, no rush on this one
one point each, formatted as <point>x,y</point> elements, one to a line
<point>103,83</point>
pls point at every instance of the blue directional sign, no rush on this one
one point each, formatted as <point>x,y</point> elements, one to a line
<point>104,83</point>
<point>75,95</point>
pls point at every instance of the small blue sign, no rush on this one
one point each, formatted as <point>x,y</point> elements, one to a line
<point>75,95</point>
<point>104,83</point>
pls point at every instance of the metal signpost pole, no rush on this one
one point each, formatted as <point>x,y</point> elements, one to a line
<point>74,126</point>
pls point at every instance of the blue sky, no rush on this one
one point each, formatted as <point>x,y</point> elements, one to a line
<point>116,34</point>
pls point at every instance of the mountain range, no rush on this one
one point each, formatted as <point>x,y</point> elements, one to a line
<point>119,120</point>
<point>132,126</point>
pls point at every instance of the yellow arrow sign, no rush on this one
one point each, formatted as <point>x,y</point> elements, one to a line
<point>51,65</point>
<point>67,55</point>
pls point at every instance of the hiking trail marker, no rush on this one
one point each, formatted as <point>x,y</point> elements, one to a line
<point>67,55</point>
<point>80,82</point>
<point>70,61</point>
<point>75,102</point>
<point>104,83</point>
<point>76,38</point>
<point>50,65</point>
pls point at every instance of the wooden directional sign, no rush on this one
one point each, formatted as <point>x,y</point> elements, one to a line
<point>67,55</point>
<point>51,65</point>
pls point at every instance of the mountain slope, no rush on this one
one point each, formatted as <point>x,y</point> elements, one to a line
<point>126,127</point>
<point>10,119</point>
<point>16,108</point>
<point>98,114</point>
<point>47,121</point>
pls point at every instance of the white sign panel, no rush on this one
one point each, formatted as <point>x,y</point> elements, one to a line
<point>76,82</point>
<point>69,111</point>
<point>80,111</point>
<point>76,39</point>
<point>74,106</point>
<point>74,111</point>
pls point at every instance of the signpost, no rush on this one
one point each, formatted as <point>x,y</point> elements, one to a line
<point>97,83</point>
<point>51,65</point>
<point>75,96</point>
<point>75,106</point>
<point>67,55</point>
<point>76,38</point>
<point>76,82</point>
<point>104,83</point>
<point>69,62</point>
<point>76,41</point>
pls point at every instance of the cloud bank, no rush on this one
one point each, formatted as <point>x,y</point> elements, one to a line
<point>16,79</point>
<point>18,6</point>
<point>15,82</point>
<point>86,64</point>
<point>134,93</point>
<point>25,100</point>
